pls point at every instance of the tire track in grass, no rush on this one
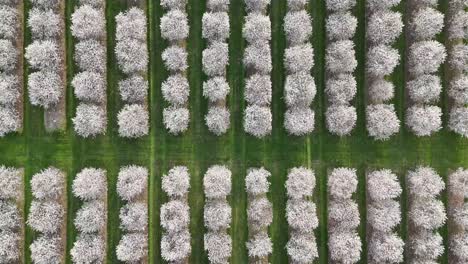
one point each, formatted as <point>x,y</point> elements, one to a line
<point>235,78</point>
<point>156,138</point>
<point>195,148</point>
<point>317,9</point>
<point>361,133</point>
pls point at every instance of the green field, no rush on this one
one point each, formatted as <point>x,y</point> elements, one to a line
<point>35,149</point>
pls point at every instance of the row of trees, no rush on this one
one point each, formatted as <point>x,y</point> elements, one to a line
<point>175,216</point>
<point>424,118</point>
<point>426,214</point>
<point>344,244</point>
<point>383,217</point>
<point>90,186</point>
<point>175,89</point>
<point>257,61</point>
<point>458,64</point>
<point>11,222</point>
<point>132,184</point>
<point>384,26</point>
<point>45,55</point>
<point>217,214</point>
<point>47,215</point>
<point>340,88</point>
<point>299,89</point>
<point>10,69</point>
<point>88,27</point>
<point>132,57</point>
<point>259,214</point>
<point>301,214</point>
<point>458,214</point>
<point>215,29</point>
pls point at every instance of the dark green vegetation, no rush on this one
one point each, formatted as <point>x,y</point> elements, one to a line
<point>198,149</point>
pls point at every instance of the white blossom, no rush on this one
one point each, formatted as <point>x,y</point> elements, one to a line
<point>299,58</point>
<point>44,88</point>
<point>176,120</point>
<point>9,89</point>
<point>133,121</point>
<point>174,25</point>
<point>175,58</point>
<point>217,215</point>
<point>382,121</point>
<point>44,23</point>
<point>458,90</point>
<point>345,247</point>
<point>299,89</point>
<point>258,90</point>
<point>382,60</point>
<point>218,120</point>
<point>425,88</point>
<point>341,26</point>
<point>300,183</point>
<point>340,57</point>
<point>426,57</point>
<point>90,183</point>
<point>215,59</point>
<point>458,121</point>
<point>43,55</point>
<point>177,181</point>
<point>217,182</point>
<point>258,121</point>
<point>215,26</point>
<point>90,120</point>
<point>297,27</point>
<point>9,121</point>
<point>90,55</point>
<point>10,182</point>
<point>134,217</point>
<point>426,23</point>
<point>88,23</point>
<point>133,89</point>
<point>91,217</point>
<point>424,120</point>
<point>131,181</point>
<point>89,86</point>
<point>341,119</point>
<point>425,182</point>
<point>8,56</point>
<point>257,57</point>
<point>131,24</point>
<point>46,250</point>
<point>48,184</point>
<point>342,183</point>
<point>301,215</point>
<point>341,89</point>
<point>88,248</point>
<point>45,217</point>
<point>132,247</point>
<point>256,181</point>
<point>215,89</point>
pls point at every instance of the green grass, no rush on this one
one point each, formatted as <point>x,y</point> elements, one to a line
<point>198,149</point>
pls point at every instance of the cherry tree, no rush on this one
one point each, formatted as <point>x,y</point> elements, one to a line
<point>176,246</point>
<point>257,57</point>
<point>9,89</point>
<point>342,183</point>
<point>176,182</point>
<point>382,121</point>
<point>9,246</point>
<point>48,184</point>
<point>424,120</point>
<point>426,23</point>
<point>10,218</point>
<point>217,215</point>
<point>44,24</point>
<point>46,249</point>
<point>340,5</point>
<point>90,120</point>
<point>384,215</point>
<point>425,182</point>
<point>340,57</point>
<point>45,217</point>
<point>299,89</point>
<point>299,121</point>
<point>426,246</point>
<point>384,27</point>
<point>90,183</point>
<point>256,181</point>
<point>215,89</point>
<point>341,89</point>
<point>174,25</point>
<point>459,90</point>
<point>301,215</point>
<point>218,246</point>
<point>175,58</point>
<point>133,121</point>
<point>131,24</point>
<point>133,89</point>
<point>299,58</point>
<point>381,4</point>
<point>256,6</point>
<point>8,22</point>
<point>257,120</point>
<point>381,90</point>
<point>88,248</point>
<point>458,28</point>
<point>260,213</point>
<point>88,23</point>
<point>218,120</point>
<point>10,182</point>
<point>341,119</point>
<point>90,55</point>
<point>89,86</point>
<point>341,26</point>
<point>259,246</point>
<point>134,217</point>
<point>427,214</point>
<point>300,182</point>
<point>217,182</point>
<point>91,217</point>
<point>426,57</point>
<point>343,216</point>
<point>8,56</point>
<point>215,59</point>
<point>345,247</point>
<point>176,119</point>
<point>425,88</point>
<point>215,26</point>
<point>382,185</point>
<point>132,247</point>
<point>381,60</point>
<point>132,55</point>
<point>44,88</point>
<point>9,121</point>
<point>302,248</point>
<point>458,121</point>
<point>43,55</point>
<point>258,90</point>
<point>297,27</point>
<point>386,249</point>
<point>173,4</point>
<point>131,181</point>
